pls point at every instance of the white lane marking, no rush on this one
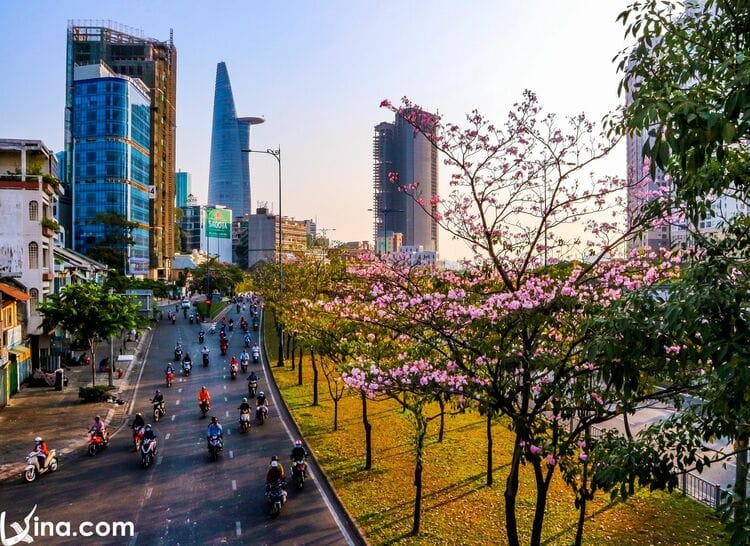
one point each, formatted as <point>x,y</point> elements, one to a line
<point>167,436</point>
<point>159,459</point>
<point>226,399</point>
<point>238,528</point>
<point>177,403</point>
<point>180,389</point>
<point>234,485</point>
<point>226,413</point>
<point>180,382</point>
<point>173,417</point>
<point>229,431</point>
<point>231,454</point>
<point>148,492</point>
<point>224,377</point>
<point>225,387</point>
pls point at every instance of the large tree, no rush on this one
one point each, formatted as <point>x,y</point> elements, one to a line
<point>88,312</point>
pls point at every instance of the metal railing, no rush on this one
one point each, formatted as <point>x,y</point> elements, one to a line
<point>701,490</point>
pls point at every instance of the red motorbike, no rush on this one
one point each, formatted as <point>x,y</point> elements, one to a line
<point>224,345</point>
<point>137,438</point>
<point>97,442</point>
<point>170,378</point>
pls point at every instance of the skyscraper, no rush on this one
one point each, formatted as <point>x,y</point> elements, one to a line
<point>229,171</point>
<point>126,51</point>
<point>398,148</point>
<point>182,188</point>
<point>111,130</point>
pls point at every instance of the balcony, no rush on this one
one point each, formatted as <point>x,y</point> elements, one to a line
<point>47,276</point>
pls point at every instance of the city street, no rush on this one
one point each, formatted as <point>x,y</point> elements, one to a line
<point>184,498</point>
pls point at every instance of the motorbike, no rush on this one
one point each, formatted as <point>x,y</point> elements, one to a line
<point>233,371</point>
<point>215,446</point>
<point>33,469</point>
<point>205,360</point>
<point>159,410</point>
<point>238,307</point>
<point>276,497</point>
<point>231,325</point>
<point>201,337</point>
<point>205,407</point>
<point>97,442</point>
<point>148,452</point>
<point>261,414</point>
<point>137,438</point>
<point>191,318</point>
<point>255,325</point>
<point>174,318</point>
<point>170,377</point>
<point>186,368</point>
<point>244,327</point>
<point>247,342</point>
<point>243,365</point>
<point>245,420</point>
<point>256,357</point>
<point>224,347</point>
<point>299,471</point>
<point>212,329</point>
<point>178,354</point>
<point>252,387</point>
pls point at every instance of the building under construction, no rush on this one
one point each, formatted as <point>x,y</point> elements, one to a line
<point>127,52</point>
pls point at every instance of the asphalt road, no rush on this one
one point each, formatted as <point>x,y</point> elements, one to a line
<point>184,498</point>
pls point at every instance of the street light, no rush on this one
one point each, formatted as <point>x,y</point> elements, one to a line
<point>277,154</point>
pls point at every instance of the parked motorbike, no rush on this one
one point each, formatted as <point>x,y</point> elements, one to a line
<point>245,421</point>
<point>261,414</point>
<point>215,446</point>
<point>204,407</point>
<point>97,442</point>
<point>148,452</point>
<point>159,411</point>
<point>276,496</point>
<point>252,387</point>
<point>299,472</point>
<point>33,469</point>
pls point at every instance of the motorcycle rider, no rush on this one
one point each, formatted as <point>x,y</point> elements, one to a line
<point>204,397</point>
<point>187,359</point>
<point>244,357</point>
<point>201,335</point>
<point>252,377</point>
<point>150,434</point>
<point>248,339</point>
<point>214,429</point>
<point>244,406</point>
<point>262,404</point>
<point>187,365</point>
<point>256,352</point>
<point>40,448</point>
<point>99,428</point>
<point>298,452</point>
<point>169,369</point>
<point>138,423</point>
<point>158,399</point>
<point>178,351</point>
<point>275,474</point>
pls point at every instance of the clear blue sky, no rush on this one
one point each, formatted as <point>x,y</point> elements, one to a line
<point>317,72</point>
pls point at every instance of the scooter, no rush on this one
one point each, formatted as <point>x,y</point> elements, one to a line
<point>159,411</point>
<point>245,421</point>
<point>137,438</point>
<point>186,368</point>
<point>33,469</point>
<point>191,318</point>
<point>205,407</point>
<point>215,446</point>
<point>174,318</point>
<point>256,357</point>
<point>201,337</point>
<point>178,354</point>
<point>170,377</point>
<point>276,497</point>
<point>97,442</point>
<point>233,371</point>
<point>205,360</point>
<point>243,365</point>
<point>252,387</point>
<point>299,471</point>
<point>148,452</point>
<point>261,414</point>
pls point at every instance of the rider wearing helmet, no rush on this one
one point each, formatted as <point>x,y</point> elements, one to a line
<point>275,473</point>
<point>214,429</point>
<point>298,452</point>
<point>149,433</point>
<point>261,400</point>
<point>244,406</point>
<point>138,421</point>
<point>40,448</point>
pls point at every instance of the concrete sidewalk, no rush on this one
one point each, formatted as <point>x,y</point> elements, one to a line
<point>60,417</point>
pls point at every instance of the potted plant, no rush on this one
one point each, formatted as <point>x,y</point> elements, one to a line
<point>49,227</point>
<point>50,184</point>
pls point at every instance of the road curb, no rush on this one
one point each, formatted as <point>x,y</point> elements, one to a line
<point>354,528</point>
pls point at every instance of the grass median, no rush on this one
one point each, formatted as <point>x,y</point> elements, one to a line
<point>458,508</point>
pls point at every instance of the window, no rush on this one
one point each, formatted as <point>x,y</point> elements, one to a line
<point>34,294</point>
<point>33,211</point>
<point>33,255</point>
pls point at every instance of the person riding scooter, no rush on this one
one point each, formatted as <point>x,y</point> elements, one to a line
<point>256,353</point>
<point>42,453</point>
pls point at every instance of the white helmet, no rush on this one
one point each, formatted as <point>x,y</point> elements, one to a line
<point>38,439</point>
<point>274,464</point>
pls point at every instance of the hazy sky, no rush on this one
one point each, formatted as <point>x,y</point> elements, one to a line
<point>317,71</point>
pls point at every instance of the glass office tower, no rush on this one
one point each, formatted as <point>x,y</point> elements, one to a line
<point>182,184</point>
<point>111,163</point>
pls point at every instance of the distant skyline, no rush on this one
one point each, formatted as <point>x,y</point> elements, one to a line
<point>317,72</point>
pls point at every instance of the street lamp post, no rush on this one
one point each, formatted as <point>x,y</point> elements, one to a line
<point>277,154</point>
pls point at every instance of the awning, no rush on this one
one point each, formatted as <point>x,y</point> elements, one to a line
<point>22,351</point>
<point>14,292</point>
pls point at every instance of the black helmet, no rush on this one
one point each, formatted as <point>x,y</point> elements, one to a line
<point>214,419</point>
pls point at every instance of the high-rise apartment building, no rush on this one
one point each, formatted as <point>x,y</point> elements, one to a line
<point>229,171</point>
<point>398,148</point>
<point>111,128</point>
<point>127,52</point>
<point>182,182</point>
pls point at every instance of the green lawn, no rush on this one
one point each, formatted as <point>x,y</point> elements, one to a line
<point>458,507</point>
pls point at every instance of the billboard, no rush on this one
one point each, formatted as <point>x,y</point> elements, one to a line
<point>219,223</point>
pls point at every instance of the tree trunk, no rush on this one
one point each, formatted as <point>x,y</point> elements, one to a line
<point>92,347</point>
<point>511,492</point>
<point>740,477</point>
<point>582,506</point>
<point>489,449</point>
<point>629,436</point>
<point>421,431</point>
<point>441,432</point>
<point>335,414</point>
<point>315,378</point>
<point>299,366</point>
<point>288,344</point>
<point>542,486</point>
<point>294,350</point>
<point>368,433</point>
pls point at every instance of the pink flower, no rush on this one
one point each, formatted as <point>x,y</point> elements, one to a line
<point>385,103</point>
<point>551,460</point>
<point>535,450</point>
<point>582,455</point>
